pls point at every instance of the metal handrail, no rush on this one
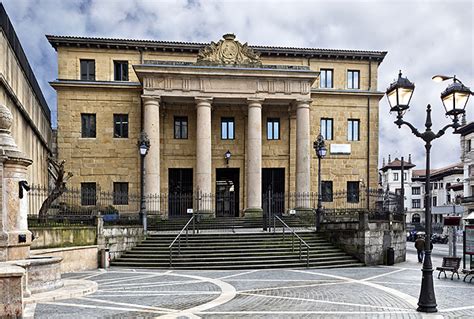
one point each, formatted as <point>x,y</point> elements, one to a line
<point>178,238</point>
<point>302,242</point>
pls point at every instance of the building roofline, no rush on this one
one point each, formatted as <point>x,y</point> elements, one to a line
<point>466,129</point>
<point>194,47</point>
<point>440,172</point>
<point>12,38</point>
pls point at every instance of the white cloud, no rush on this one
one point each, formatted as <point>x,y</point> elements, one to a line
<point>422,37</point>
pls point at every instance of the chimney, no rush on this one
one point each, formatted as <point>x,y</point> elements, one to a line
<point>389,159</point>
<point>463,119</point>
<point>409,158</point>
<point>383,162</point>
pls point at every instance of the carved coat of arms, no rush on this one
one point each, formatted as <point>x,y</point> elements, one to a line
<point>228,51</point>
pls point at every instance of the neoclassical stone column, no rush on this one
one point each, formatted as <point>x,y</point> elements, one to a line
<point>203,146</point>
<point>303,153</point>
<point>151,116</point>
<point>254,157</point>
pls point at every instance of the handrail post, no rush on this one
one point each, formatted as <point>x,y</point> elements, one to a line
<point>284,233</point>
<point>171,257</point>
<point>193,223</point>
<point>300,249</point>
<point>187,236</point>
<point>293,243</point>
<point>307,257</point>
<point>179,246</point>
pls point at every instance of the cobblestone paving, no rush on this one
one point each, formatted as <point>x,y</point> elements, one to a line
<point>367,292</point>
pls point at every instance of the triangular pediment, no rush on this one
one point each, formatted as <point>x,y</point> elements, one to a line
<point>228,52</point>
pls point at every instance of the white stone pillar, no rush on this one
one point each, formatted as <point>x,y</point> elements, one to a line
<point>254,157</point>
<point>203,146</point>
<point>303,153</point>
<point>151,116</point>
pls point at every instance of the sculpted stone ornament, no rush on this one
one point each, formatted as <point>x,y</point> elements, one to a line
<point>228,51</point>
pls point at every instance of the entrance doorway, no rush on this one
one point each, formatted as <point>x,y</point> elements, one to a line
<point>273,190</point>
<point>227,192</point>
<point>180,197</point>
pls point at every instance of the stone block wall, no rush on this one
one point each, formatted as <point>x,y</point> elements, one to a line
<point>119,239</point>
<point>369,244</point>
<point>53,237</point>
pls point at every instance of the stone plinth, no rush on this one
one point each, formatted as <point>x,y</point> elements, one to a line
<point>15,239</point>
<point>11,291</point>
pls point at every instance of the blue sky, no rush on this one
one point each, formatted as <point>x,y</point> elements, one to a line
<point>423,38</point>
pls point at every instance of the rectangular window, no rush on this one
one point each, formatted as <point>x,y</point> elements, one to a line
<point>352,192</point>
<point>88,125</point>
<point>325,79</point>
<point>471,170</point>
<point>415,203</point>
<point>326,128</point>
<point>353,130</point>
<point>416,191</point>
<point>88,70</point>
<point>181,127</point>
<point>353,79</point>
<point>395,176</point>
<point>435,201</point>
<point>88,194</point>
<point>405,177</point>
<point>121,70</point>
<point>121,125</point>
<point>227,128</point>
<point>326,191</point>
<point>121,193</point>
<point>273,128</point>
<point>468,147</point>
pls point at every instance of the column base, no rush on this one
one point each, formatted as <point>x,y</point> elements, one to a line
<point>253,212</point>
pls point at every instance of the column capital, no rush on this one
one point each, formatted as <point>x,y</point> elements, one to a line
<point>255,101</point>
<point>151,99</point>
<point>305,103</point>
<point>203,101</point>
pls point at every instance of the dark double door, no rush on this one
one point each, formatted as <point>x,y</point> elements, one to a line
<point>227,192</point>
<point>273,191</point>
<point>180,197</point>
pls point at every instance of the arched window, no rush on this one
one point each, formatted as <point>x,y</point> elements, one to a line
<point>415,218</point>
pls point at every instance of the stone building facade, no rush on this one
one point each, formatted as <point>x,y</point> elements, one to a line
<point>20,92</point>
<point>446,191</point>
<point>195,102</point>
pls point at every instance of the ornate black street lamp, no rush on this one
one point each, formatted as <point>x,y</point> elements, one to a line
<point>143,147</point>
<point>320,149</point>
<point>454,98</point>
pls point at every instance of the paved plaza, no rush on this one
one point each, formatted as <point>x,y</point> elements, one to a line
<point>368,292</point>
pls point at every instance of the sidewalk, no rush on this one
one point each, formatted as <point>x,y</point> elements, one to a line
<point>367,292</point>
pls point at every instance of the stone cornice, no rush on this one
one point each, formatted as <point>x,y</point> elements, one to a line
<point>192,47</point>
<point>95,84</point>
<point>347,92</point>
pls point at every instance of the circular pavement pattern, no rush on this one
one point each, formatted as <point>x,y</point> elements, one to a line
<point>368,292</point>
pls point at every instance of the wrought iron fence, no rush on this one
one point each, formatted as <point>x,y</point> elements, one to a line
<point>123,208</point>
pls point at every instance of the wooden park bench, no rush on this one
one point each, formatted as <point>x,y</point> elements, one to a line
<point>468,272</point>
<point>450,264</point>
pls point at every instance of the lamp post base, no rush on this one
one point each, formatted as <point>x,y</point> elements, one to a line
<point>427,300</point>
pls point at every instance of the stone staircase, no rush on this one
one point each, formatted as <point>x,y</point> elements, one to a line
<point>228,223</point>
<point>247,249</point>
